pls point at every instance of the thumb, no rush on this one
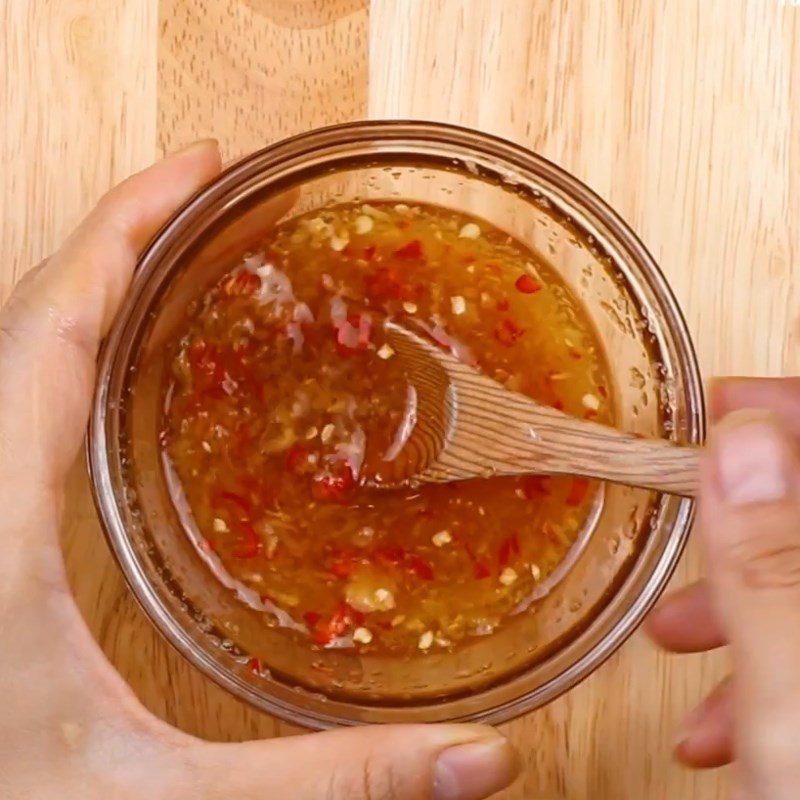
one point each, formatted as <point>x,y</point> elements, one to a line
<point>51,327</point>
<point>393,762</point>
<point>750,512</point>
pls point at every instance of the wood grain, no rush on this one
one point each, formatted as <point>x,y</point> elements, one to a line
<point>254,71</point>
<point>683,114</point>
<point>471,426</point>
<point>77,94</point>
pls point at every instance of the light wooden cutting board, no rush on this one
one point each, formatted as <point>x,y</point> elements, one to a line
<point>684,114</point>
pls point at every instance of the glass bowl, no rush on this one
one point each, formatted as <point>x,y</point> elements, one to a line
<point>620,563</point>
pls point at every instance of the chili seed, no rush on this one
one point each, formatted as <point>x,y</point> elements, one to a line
<point>591,402</point>
<point>442,538</point>
<point>364,224</point>
<point>327,433</point>
<point>384,599</point>
<point>362,635</point>
<point>508,576</point>
<point>458,304</point>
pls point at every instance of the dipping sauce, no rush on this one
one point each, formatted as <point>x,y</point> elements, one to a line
<point>282,384</point>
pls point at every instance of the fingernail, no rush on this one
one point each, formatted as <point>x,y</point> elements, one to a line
<point>476,770</point>
<point>751,460</point>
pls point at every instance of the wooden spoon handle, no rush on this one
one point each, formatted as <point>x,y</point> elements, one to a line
<point>597,451</point>
<point>505,433</point>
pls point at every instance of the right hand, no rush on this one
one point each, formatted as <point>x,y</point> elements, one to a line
<point>750,528</point>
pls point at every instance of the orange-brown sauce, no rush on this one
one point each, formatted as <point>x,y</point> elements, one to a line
<point>282,383</point>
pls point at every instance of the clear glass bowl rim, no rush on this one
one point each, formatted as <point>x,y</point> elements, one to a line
<point>305,146</point>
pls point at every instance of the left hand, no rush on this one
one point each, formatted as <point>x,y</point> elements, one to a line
<point>69,726</point>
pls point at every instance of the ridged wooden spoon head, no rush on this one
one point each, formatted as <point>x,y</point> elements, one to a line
<point>429,415</point>
<point>461,424</point>
<point>456,419</point>
<point>451,430</point>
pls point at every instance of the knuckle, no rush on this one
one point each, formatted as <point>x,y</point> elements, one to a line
<point>768,560</point>
<point>376,779</point>
<point>120,206</point>
<point>31,316</point>
<point>19,311</point>
<point>15,319</point>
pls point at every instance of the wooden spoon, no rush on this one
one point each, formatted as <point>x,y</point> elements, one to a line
<point>461,424</point>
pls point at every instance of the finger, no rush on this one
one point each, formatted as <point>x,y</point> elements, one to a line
<point>686,621</point>
<point>750,524</point>
<point>51,327</point>
<point>779,395</point>
<point>97,260</point>
<point>705,739</point>
<point>441,762</point>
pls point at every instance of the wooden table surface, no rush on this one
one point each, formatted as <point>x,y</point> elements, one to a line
<point>683,114</point>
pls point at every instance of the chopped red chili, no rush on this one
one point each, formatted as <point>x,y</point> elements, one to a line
<point>482,570</point>
<point>326,631</point>
<point>223,497</point>
<point>411,250</point>
<point>527,285</point>
<point>311,618</point>
<point>509,549</point>
<point>535,486</point>
<point>508,332</point>
<point>420,567</point>
<point>341,568</point>
<point>297,459</point>
<point>384,284</point>
<point>390,554</point>
<point>250,545</point>
<point>242,284</point>
<point>578,491</point>
<point>336,487</point>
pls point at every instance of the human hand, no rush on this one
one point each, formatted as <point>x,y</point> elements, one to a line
<point>70,727</point>
<point>750,527</point>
